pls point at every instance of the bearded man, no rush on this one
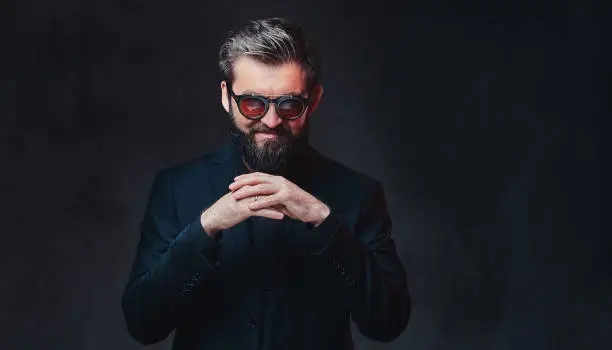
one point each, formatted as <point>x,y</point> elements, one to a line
<point>265,243</point>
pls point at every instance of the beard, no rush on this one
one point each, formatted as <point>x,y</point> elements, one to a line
<point>274,156</point>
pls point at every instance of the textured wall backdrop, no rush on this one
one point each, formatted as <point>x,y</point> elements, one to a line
<point>485,123</point>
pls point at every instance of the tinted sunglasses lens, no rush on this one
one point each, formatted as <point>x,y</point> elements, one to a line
<point>290,108</point>
<point>252,106</point>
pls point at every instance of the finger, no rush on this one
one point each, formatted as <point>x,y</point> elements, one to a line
<point>264,202</point>
<point>284,210</point>
<point>268,213</point>
<point>256,173</point>
<point>239,191</point>
<point>254,180</point>
<point>257,190</point>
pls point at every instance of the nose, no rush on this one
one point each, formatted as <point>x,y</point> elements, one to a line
<point>271,118</point>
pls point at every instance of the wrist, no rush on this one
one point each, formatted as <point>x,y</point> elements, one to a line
<point>208,224</point>
<point>324,212</point>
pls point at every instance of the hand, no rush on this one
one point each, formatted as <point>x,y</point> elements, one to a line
<point>228,211</point>
<point>281,195</point>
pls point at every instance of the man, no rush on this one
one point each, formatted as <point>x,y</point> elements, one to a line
<point>266,244</point>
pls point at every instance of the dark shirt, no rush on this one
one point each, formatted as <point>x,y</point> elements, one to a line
<point>264,283</point>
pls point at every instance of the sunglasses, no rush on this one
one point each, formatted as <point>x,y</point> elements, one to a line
<point>254,107</point>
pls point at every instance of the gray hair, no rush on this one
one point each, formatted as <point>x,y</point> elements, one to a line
<point>271,41</point>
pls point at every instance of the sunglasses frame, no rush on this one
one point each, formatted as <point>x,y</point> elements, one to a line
<point>267,101</point>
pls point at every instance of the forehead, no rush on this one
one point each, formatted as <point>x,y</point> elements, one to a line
<point>266,79</point>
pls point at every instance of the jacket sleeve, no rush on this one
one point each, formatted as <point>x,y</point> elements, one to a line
<point>171,265</point>
<point>365,268</point>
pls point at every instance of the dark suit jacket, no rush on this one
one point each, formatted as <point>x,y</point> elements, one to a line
<point>265,284</point>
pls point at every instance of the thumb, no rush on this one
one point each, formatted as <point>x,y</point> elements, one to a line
<point>284,210</point>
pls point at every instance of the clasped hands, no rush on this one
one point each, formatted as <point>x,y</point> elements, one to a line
<point>261,194</point>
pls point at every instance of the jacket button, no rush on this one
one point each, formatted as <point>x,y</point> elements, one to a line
<point>187,288</point>
<point>253,322</point>
<point>351,281</point>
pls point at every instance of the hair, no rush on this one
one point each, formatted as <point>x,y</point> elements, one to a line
<point>271,41</point>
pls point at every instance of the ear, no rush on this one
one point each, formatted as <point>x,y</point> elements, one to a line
<point>317,94</point>
<point>224,100</point>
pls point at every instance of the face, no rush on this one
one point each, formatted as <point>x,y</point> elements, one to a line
<point>268,144</point>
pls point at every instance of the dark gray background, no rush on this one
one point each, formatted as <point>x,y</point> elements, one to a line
<point>486,123</point>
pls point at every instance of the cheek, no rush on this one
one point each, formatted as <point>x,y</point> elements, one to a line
<point>241,122</point>
<point>296,126</point>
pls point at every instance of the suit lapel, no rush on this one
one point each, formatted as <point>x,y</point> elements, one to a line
<point>313,174</point>
<point>236,251</point>
<point>225,168</point>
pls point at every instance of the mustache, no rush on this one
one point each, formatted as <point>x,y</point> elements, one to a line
<point>279,131</point>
